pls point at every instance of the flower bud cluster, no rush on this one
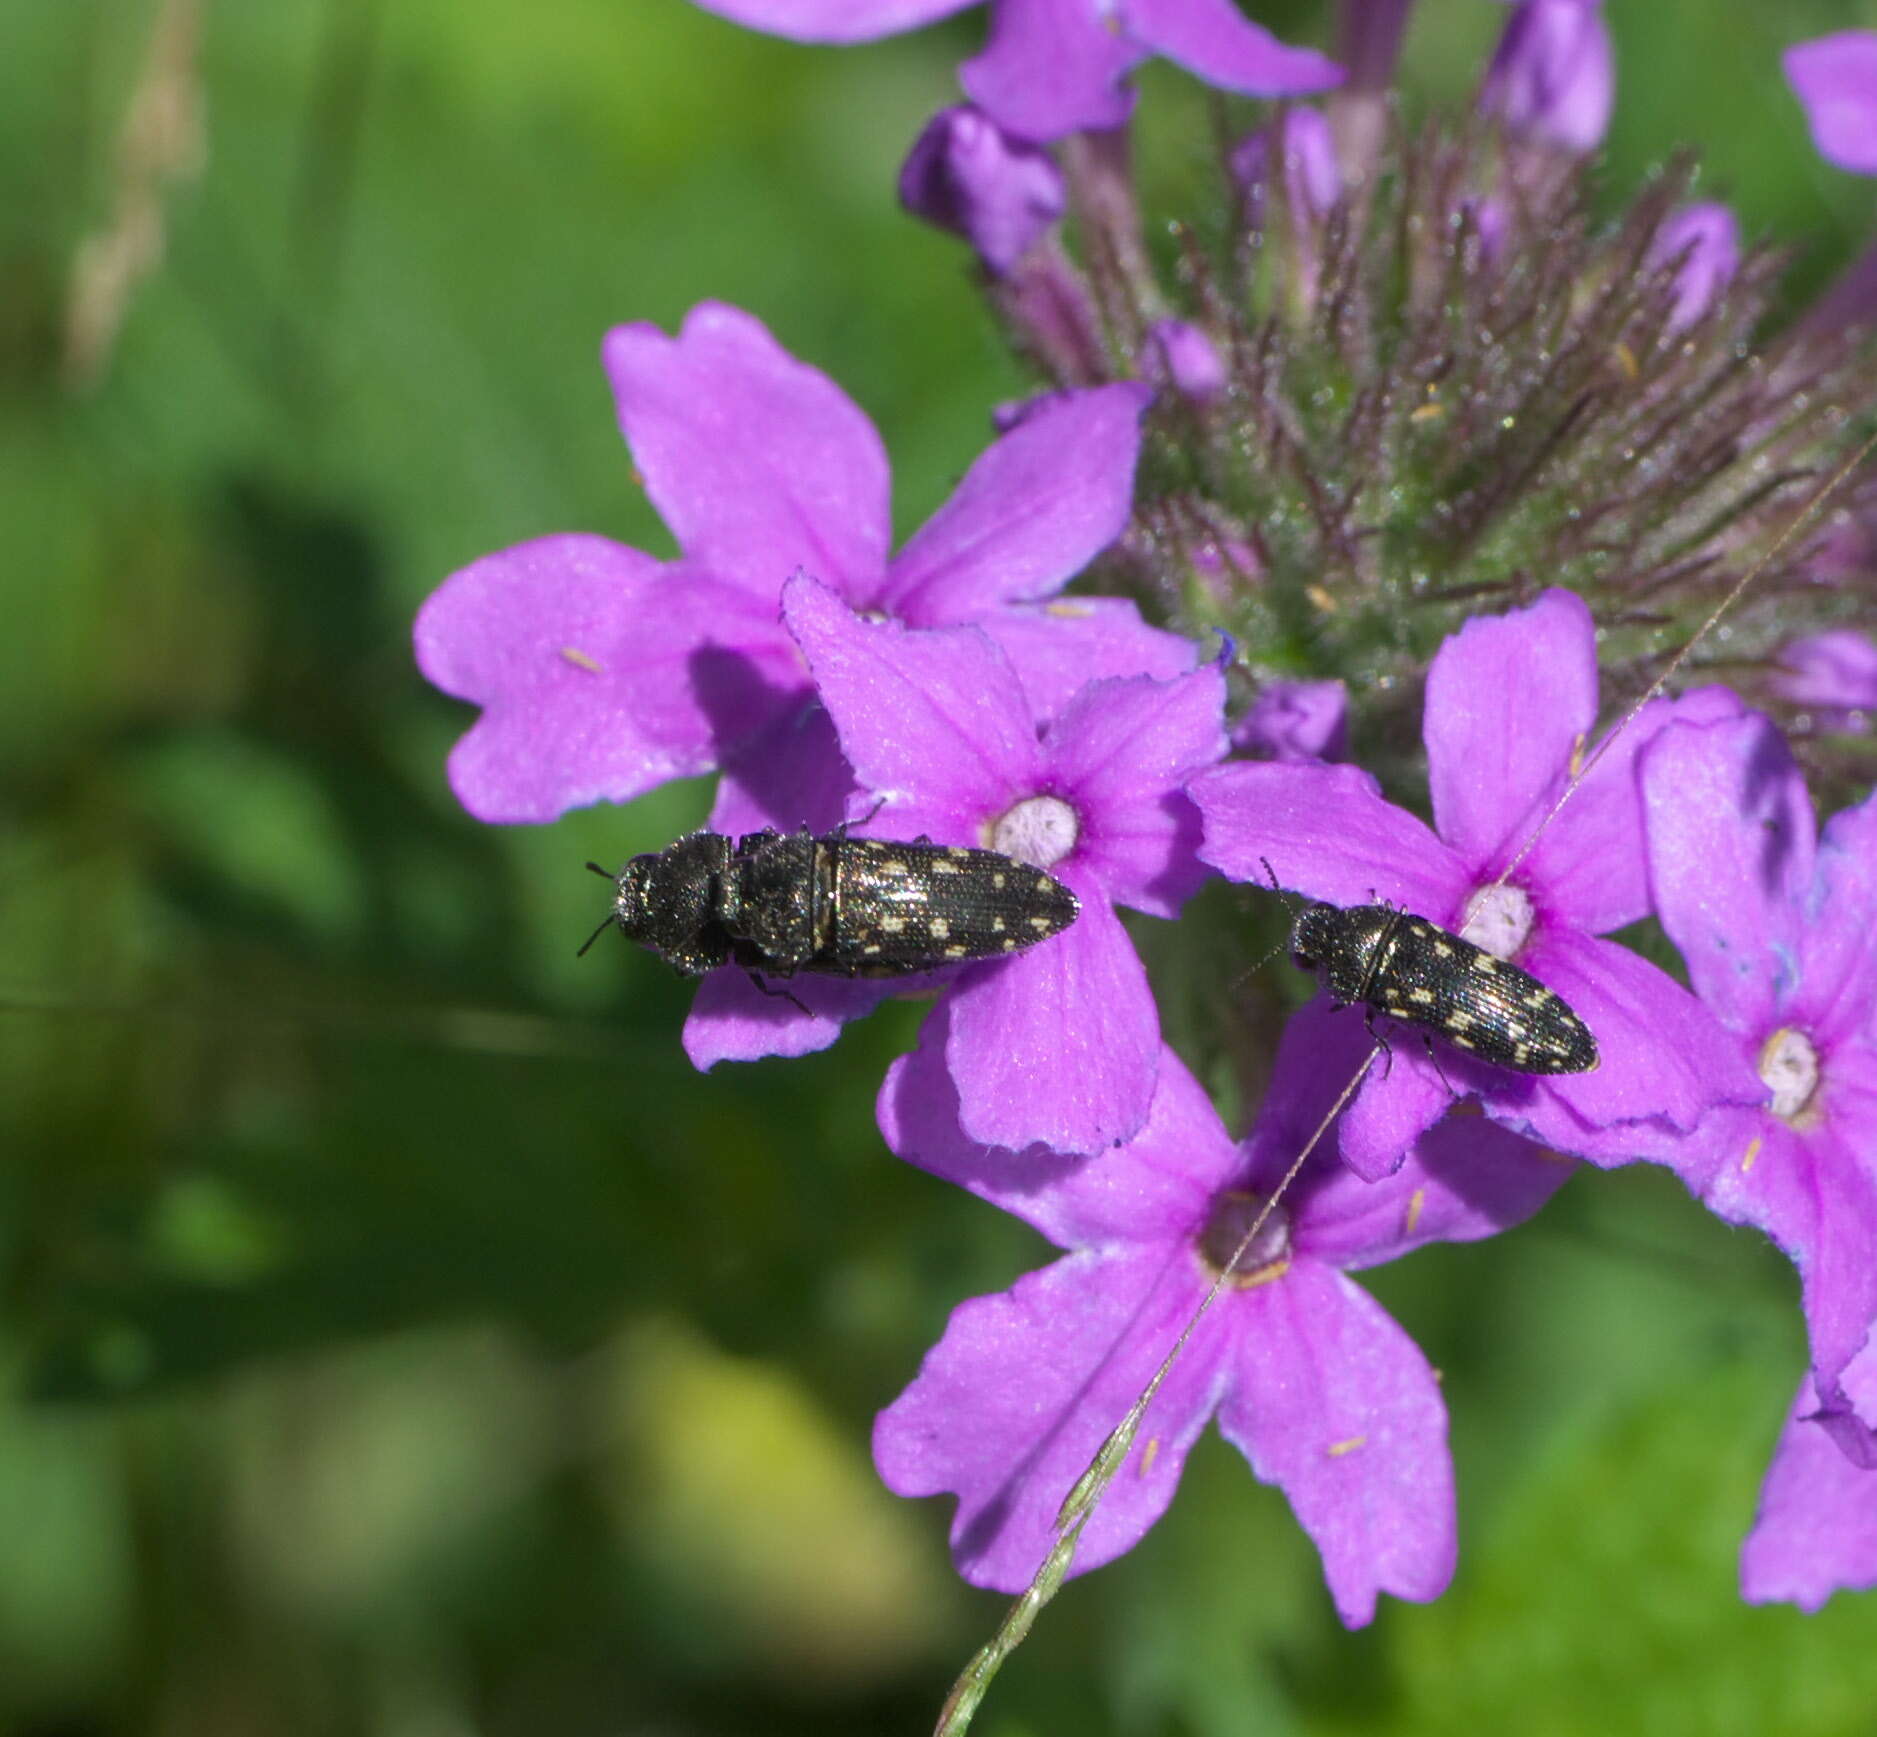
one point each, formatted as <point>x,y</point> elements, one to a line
<point>1406,434</point>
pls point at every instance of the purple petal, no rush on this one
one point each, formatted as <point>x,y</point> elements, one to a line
<point>934,722</point>
<point>1402,1097</point>
<point>1216,42</point>
<point>1328,833</point>
<point>966,174</point>
<point>1730,851</point>
<point>1815,1198</point>
<point>1050,68</point>
<point>1039,505</point>
<point>1122,752</point>
<point>1816,1530</point>
<point>732,1020</point>
<point>1665,1058</point>
<point>788,777</point>
<point>1157,1187</point>
<point>1509,698</point>
<point>600,674</point>
<point>759,463</point>
<point>1058,1046</point>
<point>1334,1403</point>
<point>1553,75</point>
<point>1590,863</point>
<point>1058,648</point>
<point>1705,239</point>
<point>1465,1178</point>
<point>1831,673</point>
<point>1839,992</point>
<point>833,20</point>
<point>1835,80</point>
<point>1014,1401</point>
<point>1296,721</point>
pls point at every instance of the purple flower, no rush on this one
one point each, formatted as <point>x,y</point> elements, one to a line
<point>1833,675</point>
<point>1779,933</point>
<point>1703,242</point>
<point>1310,1379</point>
<point>966,174</point>
<point>1553,76</point>
<point>1816,1531</point>
<point>1511,701</point>
<point>1053,67</point>
<point>603,672</point>
<point>1183,357</point>
<point>1313,178</point>
<point>1296,721</point>
<point>1835,80</point>
<point>1058,1044</point>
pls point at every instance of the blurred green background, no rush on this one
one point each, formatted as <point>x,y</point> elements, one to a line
<point>397,1337</point>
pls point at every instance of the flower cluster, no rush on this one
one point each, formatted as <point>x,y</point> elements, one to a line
<point>1413,428</point>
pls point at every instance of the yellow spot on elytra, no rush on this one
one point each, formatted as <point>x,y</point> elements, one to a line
<point>893,925</point>
<point>1422,997</point>
<point>1753,1152</point>
<point>941,930</point>
<point>1412,1216</point>
<point>580,660</point>
<point>997,880</point>
<point>1149,1454</point>
<point>1337,1449</point>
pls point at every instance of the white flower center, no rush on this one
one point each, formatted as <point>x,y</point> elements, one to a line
<point>1499,920</point>
<point>1039,830</point>
<point>1268,1256</point>
<point>1789,1067</point>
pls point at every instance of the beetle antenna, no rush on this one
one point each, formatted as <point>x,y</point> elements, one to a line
<point>605,924</point>
<point>604,874</point>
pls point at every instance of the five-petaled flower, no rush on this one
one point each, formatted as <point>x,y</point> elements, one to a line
<point>1310,1379</point>
<point>1058,1044</point>
<point>1779,931</point>
<point>602,671</point>
<point>1511,702</point>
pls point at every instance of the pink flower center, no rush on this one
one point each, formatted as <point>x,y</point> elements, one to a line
<point>1789,1067</point>
<point>1039,830</point>
<point>1499,920</point>
<point>1267,1258</point>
